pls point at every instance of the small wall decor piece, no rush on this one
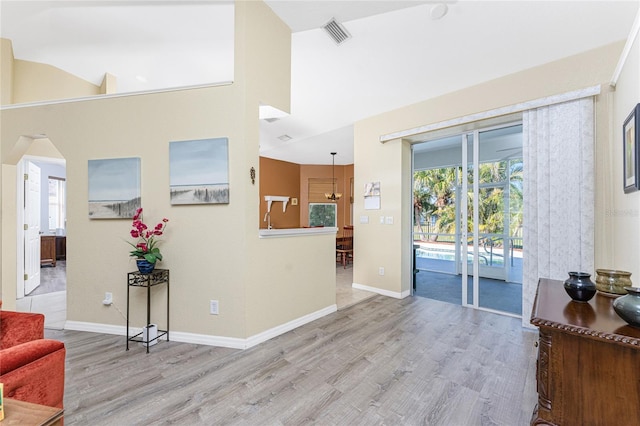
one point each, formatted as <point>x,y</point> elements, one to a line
<point>114,188</point>
<point>631,140</point>
<point>199,171</point>
<point>372,196</point>
<point>252,175</point>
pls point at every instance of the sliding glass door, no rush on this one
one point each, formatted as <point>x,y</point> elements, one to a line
<point>468,217</point>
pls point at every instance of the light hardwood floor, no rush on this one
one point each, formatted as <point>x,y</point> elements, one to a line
<point>382,361</point>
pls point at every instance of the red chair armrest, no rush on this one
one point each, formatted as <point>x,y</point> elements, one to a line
<point>20,327</point>
<point>20,355</point>
<point>34,372</point>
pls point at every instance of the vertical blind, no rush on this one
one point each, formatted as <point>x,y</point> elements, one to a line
<point>559,201</point>
<point>318,187</point>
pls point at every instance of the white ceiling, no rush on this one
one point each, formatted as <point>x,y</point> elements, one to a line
<point>398,54</point>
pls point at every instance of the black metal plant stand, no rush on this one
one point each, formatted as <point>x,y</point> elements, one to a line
<point>136,279</point>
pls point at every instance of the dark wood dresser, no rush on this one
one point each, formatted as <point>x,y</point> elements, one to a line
<point>47,250</point>
<point>588,370</point>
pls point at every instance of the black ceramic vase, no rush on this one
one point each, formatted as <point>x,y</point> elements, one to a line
<point>579,286</point>
<point>628,307</point>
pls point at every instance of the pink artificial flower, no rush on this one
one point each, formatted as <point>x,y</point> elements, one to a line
<point>145,235</point>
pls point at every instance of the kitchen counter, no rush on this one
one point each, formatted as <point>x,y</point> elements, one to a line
<point>296,232</point>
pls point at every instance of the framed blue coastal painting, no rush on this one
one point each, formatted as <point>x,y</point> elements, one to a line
<point>199,171</point>
<point>114,188</point>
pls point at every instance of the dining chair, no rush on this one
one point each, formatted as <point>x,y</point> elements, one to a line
<point>344,246</point>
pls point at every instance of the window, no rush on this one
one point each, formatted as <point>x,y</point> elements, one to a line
<point>57,203</point>
<point>318,187</point>
<point>322,214</point>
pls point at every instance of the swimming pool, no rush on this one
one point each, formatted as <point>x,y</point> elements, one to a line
<point>450,255</point>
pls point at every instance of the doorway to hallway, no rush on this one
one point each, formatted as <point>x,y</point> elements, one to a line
<point>45,256</point>
<point>467,233</point>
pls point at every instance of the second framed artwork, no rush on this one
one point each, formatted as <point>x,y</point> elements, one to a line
<point>199,171</point>
<point>631,160</point>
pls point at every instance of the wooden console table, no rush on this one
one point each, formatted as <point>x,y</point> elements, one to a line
<point>588,371</point>
<point>22,413</point>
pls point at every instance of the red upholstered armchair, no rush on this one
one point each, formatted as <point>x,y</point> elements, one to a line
<point>31,367</point>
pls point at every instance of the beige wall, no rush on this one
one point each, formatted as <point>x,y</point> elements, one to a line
<point>26,81</point>
<point>213,251</point>
<point>35,82</point>
<point>619,214</point>
<point>6,72</point>
<point>389,163</point>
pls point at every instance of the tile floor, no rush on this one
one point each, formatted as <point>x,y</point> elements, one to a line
<point>345,294</point>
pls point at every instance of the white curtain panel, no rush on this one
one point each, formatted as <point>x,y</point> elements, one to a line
<point>558,151</point>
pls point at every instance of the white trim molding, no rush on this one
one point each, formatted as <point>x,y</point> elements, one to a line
<point>296,232</point>
<point>381,291</point>
<point>283,328</point>
<point>204,339</point>
<point>510,109</point>
<point>625,51</point>
<point>113,95</point>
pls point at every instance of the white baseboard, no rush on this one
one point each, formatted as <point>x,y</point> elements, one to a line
<point>204,339</point>
<point>381,291</point>
<point>283,328</point>
<point>93,327</point>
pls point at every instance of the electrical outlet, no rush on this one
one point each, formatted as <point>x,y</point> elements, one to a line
<point>381,270</point>
<point>108,299</point>
<point>389,220</point>
<point>213,307</point>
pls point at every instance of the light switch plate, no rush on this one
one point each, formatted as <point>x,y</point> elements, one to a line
<point>294,201</point>
<point>364,219</point>
<point>382,220</point>
<point>389,220</point>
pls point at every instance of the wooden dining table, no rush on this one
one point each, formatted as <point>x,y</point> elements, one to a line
<point>340,240</point>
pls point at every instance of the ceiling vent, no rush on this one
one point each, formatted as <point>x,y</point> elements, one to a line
<point>336,31</point>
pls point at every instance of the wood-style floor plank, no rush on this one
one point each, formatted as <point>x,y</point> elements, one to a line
<point>381,362</point>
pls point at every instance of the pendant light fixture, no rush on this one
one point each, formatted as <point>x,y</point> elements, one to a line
<point>334,196</point>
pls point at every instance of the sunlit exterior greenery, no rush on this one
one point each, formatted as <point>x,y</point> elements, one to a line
<point>322,214</point>
<point>434,200</point>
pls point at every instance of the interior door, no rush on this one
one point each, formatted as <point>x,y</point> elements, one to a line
<point>32,228</point>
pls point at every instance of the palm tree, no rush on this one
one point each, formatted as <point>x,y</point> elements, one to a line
<point>434,193</point>
<point>516,170</point>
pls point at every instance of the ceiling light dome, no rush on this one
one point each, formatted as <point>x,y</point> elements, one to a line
<point>438,11</point>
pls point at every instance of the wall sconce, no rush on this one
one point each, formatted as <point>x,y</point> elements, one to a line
<point>252,173</point>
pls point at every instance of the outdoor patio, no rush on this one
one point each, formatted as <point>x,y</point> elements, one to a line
<point>437,278</point>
